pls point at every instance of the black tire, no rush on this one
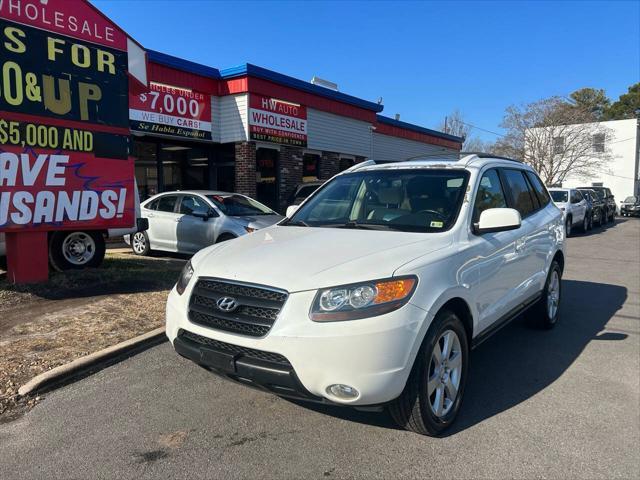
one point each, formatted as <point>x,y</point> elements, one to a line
<point>224,237</point>
<point>585,224</point>
<point>140,244</point>
<point>538,314</point>
<point>64,256</point>
<point>590,222</point>
<point>412,410</point>
<point>568,227</point>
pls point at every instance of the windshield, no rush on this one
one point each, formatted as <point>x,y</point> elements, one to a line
<point>407,200</point>
<point>239,205</point>
<point>630,200</point>
<point>559,196</point>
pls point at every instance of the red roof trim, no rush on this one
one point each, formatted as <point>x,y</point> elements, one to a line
<point>179,78</point>
<point>416,136</point>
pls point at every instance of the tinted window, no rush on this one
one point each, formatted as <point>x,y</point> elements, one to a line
<point>576,196</point>
<point>167,203</point>
<point>152,205</point>
<point>190,203</point>
<point>559,196</point>
<point>520,195</point>
<point>538,187</point>
<point>490,194</point>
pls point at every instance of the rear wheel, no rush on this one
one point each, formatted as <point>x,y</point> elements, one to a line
<point>585,223</point>
<point>76,250</point>
<point>546,311</point>
<point>433,394</point>
<point>568,226</point>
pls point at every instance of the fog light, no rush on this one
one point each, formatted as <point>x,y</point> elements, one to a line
<point>342,391</point>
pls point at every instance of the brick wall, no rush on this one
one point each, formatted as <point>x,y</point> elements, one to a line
<point>290,173</point>
<point>329,165</point>
<point>246,168</point>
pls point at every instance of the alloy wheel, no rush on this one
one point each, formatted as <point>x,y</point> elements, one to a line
<point>445,372</point>
<point>139,242</point>
<point>553,295</point>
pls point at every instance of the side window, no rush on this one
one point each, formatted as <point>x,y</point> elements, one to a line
<point>190,203</point>
<point>167,203</point>
<point>538,187</point>
<point>520,194</point>
<point>579,196</point>
<point>490,194</point>
<point>152,205</point>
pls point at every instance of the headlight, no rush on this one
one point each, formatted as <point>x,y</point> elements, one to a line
<point>185,277</point>
<point>368,299</point>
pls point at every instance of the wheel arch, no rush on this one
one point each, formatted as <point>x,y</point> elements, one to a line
<point>559,257</point>
<point>460,307</point>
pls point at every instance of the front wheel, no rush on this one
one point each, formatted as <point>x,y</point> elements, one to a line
<point>76,250</point>
<point>585,224</point>
<point>568,227</point>
<point>140,243</point>
<point>433,394</point>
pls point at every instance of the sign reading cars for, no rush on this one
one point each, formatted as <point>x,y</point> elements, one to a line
<point>277,121</point>
<point>171,110</point>
<point>64,147</point>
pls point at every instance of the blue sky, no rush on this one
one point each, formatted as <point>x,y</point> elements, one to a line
<point>424,58</point>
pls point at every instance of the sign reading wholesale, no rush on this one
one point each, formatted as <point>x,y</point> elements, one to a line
<point>63,118</point>
<point>273,120</point>
<point>173,111</point>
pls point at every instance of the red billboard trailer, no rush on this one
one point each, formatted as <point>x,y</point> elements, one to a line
<point>278,121</point>
<point>64,129</point>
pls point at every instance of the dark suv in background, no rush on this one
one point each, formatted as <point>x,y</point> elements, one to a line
<point>609,200</point>
<point>596,207</point>
<point>630,207</point>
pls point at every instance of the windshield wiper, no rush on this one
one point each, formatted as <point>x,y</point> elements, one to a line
<point>297,223</point>
<point>363,226</point>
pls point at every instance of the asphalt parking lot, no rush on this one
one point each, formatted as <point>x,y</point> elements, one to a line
<point>561,403</point>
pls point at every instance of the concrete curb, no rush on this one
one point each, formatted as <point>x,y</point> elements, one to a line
<point>67,371</point>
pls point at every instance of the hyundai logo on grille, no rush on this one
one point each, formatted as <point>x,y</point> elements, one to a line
<point>227,304</point>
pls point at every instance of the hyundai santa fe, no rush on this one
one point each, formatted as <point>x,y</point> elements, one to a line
<point>375,290</point>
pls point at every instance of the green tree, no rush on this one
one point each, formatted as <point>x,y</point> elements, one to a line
<point>626,106</point>
<point>593,102</point>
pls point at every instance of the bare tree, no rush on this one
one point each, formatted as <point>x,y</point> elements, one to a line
<point>454,124</point>
<point>555,138</point>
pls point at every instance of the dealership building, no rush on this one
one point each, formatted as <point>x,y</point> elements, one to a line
<point>257,132</point>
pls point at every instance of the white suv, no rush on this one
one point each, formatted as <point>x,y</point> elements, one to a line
<point>375,290</point>
<point>573,205</point>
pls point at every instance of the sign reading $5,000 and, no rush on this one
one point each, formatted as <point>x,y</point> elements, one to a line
<point>63,132</point>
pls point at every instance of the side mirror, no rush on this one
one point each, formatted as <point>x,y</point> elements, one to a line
<point>498,220</point>
<point>203,213</point>
<point>291,209</point>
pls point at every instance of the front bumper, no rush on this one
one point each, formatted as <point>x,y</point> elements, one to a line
<point>373,355</point>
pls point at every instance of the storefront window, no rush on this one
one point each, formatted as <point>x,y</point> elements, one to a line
<point>267,177</point>
<point>146,168</point>
<point>310,167</point>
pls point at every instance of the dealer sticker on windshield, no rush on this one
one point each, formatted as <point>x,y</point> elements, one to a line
<point>436,224</point>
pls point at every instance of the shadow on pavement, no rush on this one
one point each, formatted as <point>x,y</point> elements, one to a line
<point>520,360</point>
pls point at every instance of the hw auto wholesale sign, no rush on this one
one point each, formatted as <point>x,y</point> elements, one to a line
<point>277,121</point>
<point>63,118</point>
<point>169,110</point>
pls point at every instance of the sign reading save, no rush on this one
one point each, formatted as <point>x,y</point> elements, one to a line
<point>277,121</point>
<point>64,155</point>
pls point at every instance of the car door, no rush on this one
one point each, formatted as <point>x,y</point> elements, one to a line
<point>579,206</point>
<point>494,268</point>
<point>522,198</point>
<point>163,223</point>
<point>194,233</point>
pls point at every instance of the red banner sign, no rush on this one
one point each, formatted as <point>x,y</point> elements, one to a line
<point>169,110</point>
<point>64,152</point>
<point>277,121</point>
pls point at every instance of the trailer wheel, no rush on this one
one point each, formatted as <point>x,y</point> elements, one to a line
<point>76,250</point>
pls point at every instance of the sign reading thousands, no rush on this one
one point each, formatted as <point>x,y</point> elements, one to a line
<point>64,152</point>
<point>168,110</point>
<point>277,121</point>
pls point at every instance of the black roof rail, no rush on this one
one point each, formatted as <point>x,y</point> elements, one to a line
<point>490,155</point>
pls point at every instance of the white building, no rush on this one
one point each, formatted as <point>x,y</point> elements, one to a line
<point>617,140</point>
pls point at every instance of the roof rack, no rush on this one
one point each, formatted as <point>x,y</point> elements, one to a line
<point>489,155</point>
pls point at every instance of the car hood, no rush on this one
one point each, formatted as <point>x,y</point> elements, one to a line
<point>258,221</point>
<point>306,258</point>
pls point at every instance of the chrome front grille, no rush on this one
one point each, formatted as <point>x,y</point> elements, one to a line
<point>255,307</point>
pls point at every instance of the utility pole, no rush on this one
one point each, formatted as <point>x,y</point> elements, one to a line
<point>445,125</point>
